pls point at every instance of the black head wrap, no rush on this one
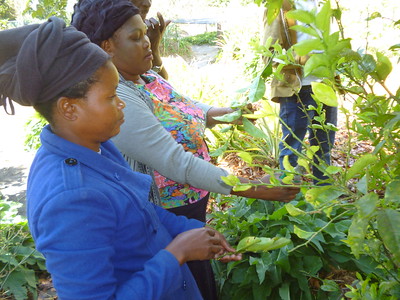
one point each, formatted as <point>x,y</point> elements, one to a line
<point>99,19</point>
<point>38,62</point>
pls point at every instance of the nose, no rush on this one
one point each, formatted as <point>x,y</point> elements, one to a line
<point>147,43</point>
<point>121,103</point>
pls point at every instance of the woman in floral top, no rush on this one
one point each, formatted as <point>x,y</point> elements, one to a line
<point>163,130</point>
<point>186,123</point>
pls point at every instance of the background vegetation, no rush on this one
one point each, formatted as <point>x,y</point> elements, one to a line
<point>345,237</point>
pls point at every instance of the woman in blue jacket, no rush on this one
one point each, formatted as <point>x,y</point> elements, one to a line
<point>87,210</point>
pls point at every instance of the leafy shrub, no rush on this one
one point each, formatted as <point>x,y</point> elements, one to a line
<point>315,254</point>
<point>362,196</point>
<point>19,260</point>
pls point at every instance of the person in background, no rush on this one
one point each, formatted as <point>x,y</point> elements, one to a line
<point>294,95</point>
<point>163,132</point>
<point>155,31</point>
<point>88,212</point>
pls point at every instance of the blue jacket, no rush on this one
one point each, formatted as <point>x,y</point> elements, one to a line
<point>90,216</point>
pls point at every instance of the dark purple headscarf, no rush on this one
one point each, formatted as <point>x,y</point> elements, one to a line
<point>99,19</point>
<point>38,62</point>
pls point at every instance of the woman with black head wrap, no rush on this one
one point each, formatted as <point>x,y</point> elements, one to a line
<point>88,212</point>
<point>163,129</point>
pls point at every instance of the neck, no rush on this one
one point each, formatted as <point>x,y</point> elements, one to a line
<point>134,78</point>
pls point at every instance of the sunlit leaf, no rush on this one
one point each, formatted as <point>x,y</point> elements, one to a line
<point>257,89</point>
<point>231,180</point>
<point>323,18</point>
<point>324,93</point>
<point>302,16</point>
<point>274,7</point>
<point>261,244</point>
<point>286,164</point>
<point>306,29</point>
<point>302,233</point>
<point>383,66</point>
<point>306,46</point>
<point>360,164</point>
<point>228,118</point>
<point>293,211</point>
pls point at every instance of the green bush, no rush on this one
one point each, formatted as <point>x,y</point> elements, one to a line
<point>20,262</point>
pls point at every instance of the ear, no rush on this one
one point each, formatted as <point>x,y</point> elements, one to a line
<point>67,108</point>
<point>107,46</point>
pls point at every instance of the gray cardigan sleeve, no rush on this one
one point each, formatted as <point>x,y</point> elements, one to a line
<point>144,139</point>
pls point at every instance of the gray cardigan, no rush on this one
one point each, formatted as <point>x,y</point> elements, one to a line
<point>147,146</point>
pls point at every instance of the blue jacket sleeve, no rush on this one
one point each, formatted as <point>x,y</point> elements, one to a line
<point>176,224</point>
<point>77,232</point>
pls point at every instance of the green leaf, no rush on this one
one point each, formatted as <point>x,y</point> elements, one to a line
<point>306,29</point>
<point>317,66</point>
<point>302,233</point>
<point>333,170</point>
<point>261,244</point>
<point>366,205</point>
<point>395,47</point>
<point>286,164</point>
<point>368,63</point>
<point>324,94</point>
<point>293,211</point>
<point>392,191</point>
<point>257,89</point>
<point>360,164</point>
<point>302,16</point>
<point>246,242</point>
<point>251,129</point>
<point>330,286</point>
<point>229,118</point>
<point>231,180</point>
<point>245,156</point>
<point>383,66</point>
<point>305,47</point>
<point>284,291</point>
<point>288,179</point>
<point>267,70</point>
<point>322,194</point>
<point>389,230</point>
<point>323,18</point>
<point>242,187</point>
<point>374,15</point>
<point>274,7</point>
<point>356,236</point>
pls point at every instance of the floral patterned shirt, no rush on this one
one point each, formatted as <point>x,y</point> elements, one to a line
<point>180,116</point>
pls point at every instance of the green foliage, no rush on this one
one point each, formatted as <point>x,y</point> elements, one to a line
<point>7,10</point>
<point>207,38</point>
<point>19,260</point>
<point>173,44</point>
<point>310,246</point>
<point>35,125</point>
<point>362,196</point>
<point>44,9</point>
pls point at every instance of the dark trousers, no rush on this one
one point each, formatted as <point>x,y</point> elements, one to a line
<point>201,269</point>
<point>295,116</point>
